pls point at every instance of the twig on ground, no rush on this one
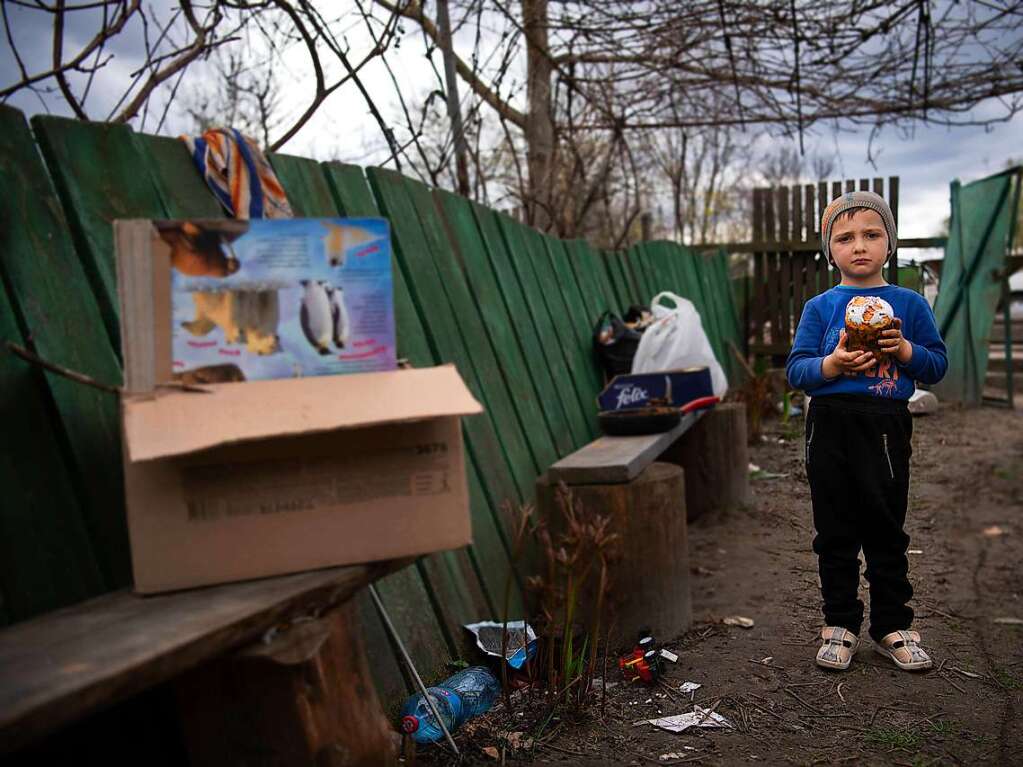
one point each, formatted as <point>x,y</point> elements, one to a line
<point>563,750</point>
<point>765,665</point>
<point>839,691</point>
<point>708,712</point>
<point>934,609</point>
<point>811,708</point>
<point>947,679</point>
<point>658,760</point>
<point>967,674</point>
<point>926,719</point>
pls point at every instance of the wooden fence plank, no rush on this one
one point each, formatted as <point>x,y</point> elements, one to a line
<point>60,314</point>
<point>759,292</point>
<point>516,235</point>
<point>587,279</point>
<point>498,399</point>
<point>638,255</point>
<point>810,215</point>
<point>633,290</point>
<point>307,188</point>
<point>83,157</point>
<point>178,184</point>
<point>389,676</point>
<point>823,267</point>
<point>46,557</point>
<point>616,278</point>
<point>893,203</point>
<point>785,276</point>
<point>641,275</point>
<point>500,326</point>
<point>595,266</point>
<point>570,320</point>
<point>773,269</point>
<point>350,189</point>
<point>530,341</point>
<point>578,301</point>
<point>445,336</point>
<point>713,304</point>
<point>734,327</point>
<point>836,191</point>
<point>799,260</point>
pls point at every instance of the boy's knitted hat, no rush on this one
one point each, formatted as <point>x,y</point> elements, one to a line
<point>860,199</point>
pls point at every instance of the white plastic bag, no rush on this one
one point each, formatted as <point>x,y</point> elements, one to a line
<point>676,339</point>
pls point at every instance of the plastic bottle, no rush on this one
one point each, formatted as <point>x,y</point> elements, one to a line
<point>458,699</point>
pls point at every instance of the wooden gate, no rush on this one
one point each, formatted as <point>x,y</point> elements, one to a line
<point>788,267</point>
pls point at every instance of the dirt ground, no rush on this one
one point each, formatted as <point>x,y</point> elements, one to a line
<point>966,524</point>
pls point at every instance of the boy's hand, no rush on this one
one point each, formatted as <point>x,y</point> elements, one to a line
<point>847,362</point>
<point>893,342</point>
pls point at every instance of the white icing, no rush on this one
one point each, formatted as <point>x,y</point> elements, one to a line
<point>883,312</point>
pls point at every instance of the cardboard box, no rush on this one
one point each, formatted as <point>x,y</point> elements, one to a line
<point>270,477</point>
<point>636,390</point>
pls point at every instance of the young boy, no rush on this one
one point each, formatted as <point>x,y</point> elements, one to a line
<point>858,432</point>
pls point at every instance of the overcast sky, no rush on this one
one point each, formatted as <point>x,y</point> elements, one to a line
<point>925,158</point>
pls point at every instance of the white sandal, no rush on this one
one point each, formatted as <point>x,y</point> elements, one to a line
<point>838,649</point>
<point>903,648</point>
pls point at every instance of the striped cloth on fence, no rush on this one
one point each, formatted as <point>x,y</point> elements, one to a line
<point>238,173</point>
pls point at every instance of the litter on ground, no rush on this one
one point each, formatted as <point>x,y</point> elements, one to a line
<point>698,717</point>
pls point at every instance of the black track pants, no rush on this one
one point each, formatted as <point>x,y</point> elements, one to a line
<point>857,461</point>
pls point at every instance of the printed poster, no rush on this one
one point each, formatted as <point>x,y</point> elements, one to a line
<point>266,299</point>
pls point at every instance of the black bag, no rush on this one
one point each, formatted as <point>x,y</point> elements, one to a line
<point>615,344</point>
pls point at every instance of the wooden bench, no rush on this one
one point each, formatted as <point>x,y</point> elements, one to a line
<point>511,308</point>
<point>650,487</point>
<point>217,646</point>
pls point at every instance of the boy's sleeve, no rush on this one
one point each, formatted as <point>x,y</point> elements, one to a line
<point>803,368</point>
<point>930,358</point>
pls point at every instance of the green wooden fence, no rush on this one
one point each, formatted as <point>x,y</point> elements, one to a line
<point>512,308</point>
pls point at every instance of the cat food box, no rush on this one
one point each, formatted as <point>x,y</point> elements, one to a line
<point>233,471</point>
<point>669,387</point>
<point>252,300</point>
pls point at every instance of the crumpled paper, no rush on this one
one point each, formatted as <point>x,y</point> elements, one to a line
<point>698,717</point>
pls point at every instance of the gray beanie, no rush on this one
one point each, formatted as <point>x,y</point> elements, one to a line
<point>861,199</point>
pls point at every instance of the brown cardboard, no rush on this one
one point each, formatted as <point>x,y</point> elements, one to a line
<point>263,478</point>
<point>176,422</point>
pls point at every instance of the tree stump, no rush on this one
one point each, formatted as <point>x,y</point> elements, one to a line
<point>649,562</point>
<point>715,457</point>
<point>305,698</point>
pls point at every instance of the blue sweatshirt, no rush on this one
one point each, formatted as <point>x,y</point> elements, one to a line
<point>824,319</point>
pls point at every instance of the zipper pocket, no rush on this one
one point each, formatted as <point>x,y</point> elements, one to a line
<point>809,441</point>
<point>886,455</point>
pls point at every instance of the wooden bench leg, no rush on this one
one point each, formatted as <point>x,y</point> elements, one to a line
<point>305,698</point>
<point>715,457</point>
<point>649,573</point>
